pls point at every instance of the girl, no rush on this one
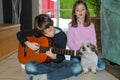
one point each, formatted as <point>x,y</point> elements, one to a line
<point>81,29</point>
<point>58,68</point>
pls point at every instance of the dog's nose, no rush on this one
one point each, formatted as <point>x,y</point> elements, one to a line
<point>83,48</point>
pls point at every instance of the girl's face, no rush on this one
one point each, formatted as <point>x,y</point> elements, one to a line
<point>49,32</point>
<point>80,11</point>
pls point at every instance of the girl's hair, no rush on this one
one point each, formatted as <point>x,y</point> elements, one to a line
<point>42,22</point>
<point>74,18</point>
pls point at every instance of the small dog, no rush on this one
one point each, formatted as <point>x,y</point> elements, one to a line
<point>89,58</point>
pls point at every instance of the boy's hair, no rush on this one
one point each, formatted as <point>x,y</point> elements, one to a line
<point>42,22</point>
<point>87,16</point>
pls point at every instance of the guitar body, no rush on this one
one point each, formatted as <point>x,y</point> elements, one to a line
<point>27,55</point>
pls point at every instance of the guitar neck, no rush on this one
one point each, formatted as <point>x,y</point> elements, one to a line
<point>60,51</point>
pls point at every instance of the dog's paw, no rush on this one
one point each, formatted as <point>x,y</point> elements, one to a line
<point>85,71</point>
<point>93,71</point>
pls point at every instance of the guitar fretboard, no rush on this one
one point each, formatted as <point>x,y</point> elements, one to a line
<point>60,51</point>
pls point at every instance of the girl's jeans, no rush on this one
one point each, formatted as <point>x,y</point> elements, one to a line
<point>58,71</point>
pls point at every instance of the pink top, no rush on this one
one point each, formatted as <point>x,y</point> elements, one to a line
<point>80,34</point>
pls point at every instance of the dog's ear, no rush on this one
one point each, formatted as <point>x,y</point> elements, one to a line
<point>93,47</point>
<point>80,48</point>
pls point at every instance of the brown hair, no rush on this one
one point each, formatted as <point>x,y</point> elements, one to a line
<point>87,16</point>
<point>42,22</point>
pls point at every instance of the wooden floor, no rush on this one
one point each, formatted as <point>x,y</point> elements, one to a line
<point>10,69</point>
<point>114,69</point>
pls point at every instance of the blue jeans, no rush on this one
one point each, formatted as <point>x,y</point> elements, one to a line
<point>58,71</point>
<point>55,71</point>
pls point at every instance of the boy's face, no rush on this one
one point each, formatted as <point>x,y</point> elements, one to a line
<point>49,32</point>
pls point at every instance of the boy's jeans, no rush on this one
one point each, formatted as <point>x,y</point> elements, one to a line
<point>58,71</point>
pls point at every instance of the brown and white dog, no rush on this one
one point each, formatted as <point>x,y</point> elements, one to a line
<point>89,57</point>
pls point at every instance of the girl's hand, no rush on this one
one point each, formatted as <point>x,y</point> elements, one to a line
<point>50,54</point>
<point>32,45</point>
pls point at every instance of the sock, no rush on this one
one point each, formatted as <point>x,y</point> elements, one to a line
<point>40,77</point>
<point>30,78</point>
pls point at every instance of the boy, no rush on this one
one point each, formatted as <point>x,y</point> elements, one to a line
<point>55,69</point>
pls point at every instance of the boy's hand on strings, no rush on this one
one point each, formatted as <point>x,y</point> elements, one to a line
<point>50,54</point>
<point>32,45</point>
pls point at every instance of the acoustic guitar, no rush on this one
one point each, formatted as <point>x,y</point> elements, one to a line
<point>25,54</point>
